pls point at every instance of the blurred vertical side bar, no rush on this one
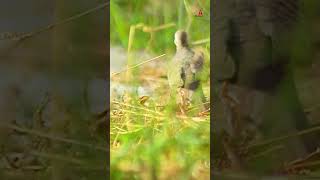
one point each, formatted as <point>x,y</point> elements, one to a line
<point>80,87</point>
<point>54,89</point>
<point>212,117</point>
<point>108,88</point>
<point>23,64</point>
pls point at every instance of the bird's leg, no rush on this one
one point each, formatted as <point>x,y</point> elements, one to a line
<point>233,106</point>
<point>231,150</point>
<point>183,100</point>
<point>182,110</point>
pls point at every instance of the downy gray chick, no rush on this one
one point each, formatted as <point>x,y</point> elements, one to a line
<point>183,73</point>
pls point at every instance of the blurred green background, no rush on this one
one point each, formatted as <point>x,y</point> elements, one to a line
<point>156,13</point>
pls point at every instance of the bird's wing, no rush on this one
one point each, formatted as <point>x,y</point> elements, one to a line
<point>174,72</point>
<point>191,67</point>
<point>197,61</point>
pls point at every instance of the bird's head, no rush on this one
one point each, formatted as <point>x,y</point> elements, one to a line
<point>181,39</point>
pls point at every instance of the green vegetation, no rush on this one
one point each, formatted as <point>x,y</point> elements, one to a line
<point>149,140</point>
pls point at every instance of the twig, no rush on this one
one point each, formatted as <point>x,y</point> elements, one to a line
<point>129,132</point>
<point>144,115</point>
<point>37,117</point>
<point>141,108</point>
<point>57,157</point>
<point>304,165</point>
<point>266,152</point>
<point>309,157</point>
<point>301,133</point>
<point>190,15</point>
<point>67,20</point>
<point>309,110</point>
<point>201,41</point>
<point>132,67</point>
<point>25,36</point>
<point>158,28</point>
<point>53,137</point>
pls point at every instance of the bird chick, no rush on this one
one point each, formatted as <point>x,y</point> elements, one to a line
<point>197,62</point>
<point>183,73</point>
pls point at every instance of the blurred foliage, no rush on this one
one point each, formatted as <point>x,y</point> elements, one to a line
<point>268,155</point>
<point>306,36</point>
<point>57,139</point>
<point>155,13</point>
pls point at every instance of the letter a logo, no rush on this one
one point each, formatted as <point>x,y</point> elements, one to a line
<point>200,13</point>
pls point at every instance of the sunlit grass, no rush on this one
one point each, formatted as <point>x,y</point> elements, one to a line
<point>146,141</point>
